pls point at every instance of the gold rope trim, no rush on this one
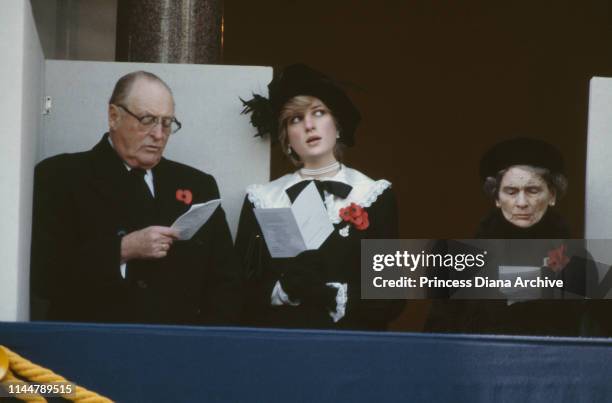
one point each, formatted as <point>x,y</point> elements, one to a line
<point>37,374</point>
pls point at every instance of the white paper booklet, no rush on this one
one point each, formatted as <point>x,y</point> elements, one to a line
<point>518,294</point>
<point>194,218</point>
<point>291,230</point>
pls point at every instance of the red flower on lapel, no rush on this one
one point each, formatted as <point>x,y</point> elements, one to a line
<point>184,195</point>
<point>557,259</point>
<point>356,215</point>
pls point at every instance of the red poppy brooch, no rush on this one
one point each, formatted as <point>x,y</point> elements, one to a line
<point>356,215</point>
<point>557,259</point>
<point>184,195</point>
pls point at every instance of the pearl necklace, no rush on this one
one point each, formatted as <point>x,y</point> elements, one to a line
<point>320,171</point>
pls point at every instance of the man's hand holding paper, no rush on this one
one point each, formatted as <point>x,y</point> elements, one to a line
<point>190,222</point>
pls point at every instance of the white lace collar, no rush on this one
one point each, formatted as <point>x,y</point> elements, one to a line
<point>365,191</point>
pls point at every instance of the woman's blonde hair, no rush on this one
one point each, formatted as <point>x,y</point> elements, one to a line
<point>295,106</point>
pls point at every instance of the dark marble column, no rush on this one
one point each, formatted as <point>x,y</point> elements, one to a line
<point>169,31</point>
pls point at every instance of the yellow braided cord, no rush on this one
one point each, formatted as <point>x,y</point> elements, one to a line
<point>37,374</point>
<point>26,397</point>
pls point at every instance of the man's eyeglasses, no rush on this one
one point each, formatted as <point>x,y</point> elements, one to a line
<point>169,124</point>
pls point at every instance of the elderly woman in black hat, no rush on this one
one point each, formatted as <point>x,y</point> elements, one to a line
<point>525,178</point>
<point>314,121</point>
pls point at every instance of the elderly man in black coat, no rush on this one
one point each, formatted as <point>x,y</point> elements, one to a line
<point>102,246</point>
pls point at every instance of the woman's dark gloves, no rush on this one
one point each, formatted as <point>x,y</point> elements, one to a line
<point>303,280</point>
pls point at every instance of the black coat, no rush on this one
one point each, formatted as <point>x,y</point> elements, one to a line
<point>83,204</point>
<point>538,317</point>
<point>337,260</point>
<point>495,226</point>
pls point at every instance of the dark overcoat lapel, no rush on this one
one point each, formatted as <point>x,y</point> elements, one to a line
<point>169,208</point>
<point>110,182</point>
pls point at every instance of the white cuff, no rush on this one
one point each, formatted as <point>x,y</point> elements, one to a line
<point>122,269</point>
<point>279,297</point>
<point>341,298</point>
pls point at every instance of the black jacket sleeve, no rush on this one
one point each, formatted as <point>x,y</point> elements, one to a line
<point>58,251</point>
<point>255,259</point>
<point>376,314</point>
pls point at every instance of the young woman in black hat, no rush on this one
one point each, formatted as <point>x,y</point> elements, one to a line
<point>525,178</point>
<point>314,121</point>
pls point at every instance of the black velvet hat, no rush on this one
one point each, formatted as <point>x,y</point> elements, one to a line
<point>521,151</point>
<point>299,79</point>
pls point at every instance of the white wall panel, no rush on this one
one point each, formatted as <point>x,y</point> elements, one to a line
<point>21,83</point>
<point>598,219</point>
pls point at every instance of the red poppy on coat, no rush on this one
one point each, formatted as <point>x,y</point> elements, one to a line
<point>356,215</point>
<point>557,259</point>
<point>184,195</point>
<point>362,222</point>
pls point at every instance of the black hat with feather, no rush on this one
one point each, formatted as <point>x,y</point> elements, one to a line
<point>295,80</point>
